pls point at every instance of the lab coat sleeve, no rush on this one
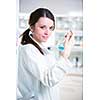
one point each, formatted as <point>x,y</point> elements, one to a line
<point>58,71</point>
<point>35,67</point>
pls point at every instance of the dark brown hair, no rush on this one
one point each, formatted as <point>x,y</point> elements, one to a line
<point>34,17</point>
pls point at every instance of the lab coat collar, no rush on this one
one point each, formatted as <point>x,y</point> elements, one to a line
<point>30,34</point>
<point>41,45</point>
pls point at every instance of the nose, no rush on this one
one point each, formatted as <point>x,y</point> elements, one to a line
<point>47,31</point>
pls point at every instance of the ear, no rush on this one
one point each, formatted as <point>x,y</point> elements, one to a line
<point>32,28</point>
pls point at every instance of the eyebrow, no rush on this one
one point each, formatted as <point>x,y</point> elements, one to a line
<point>46,25</point>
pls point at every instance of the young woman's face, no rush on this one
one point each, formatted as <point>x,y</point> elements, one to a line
<point>43,29</point>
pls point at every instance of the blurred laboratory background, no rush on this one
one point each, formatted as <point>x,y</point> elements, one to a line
<point>69,16</point>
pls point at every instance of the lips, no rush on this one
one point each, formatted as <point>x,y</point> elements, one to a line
<point>45,37</point>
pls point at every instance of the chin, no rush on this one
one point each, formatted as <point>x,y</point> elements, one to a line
<point>44,41</point>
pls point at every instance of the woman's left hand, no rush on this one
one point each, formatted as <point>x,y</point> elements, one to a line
<point>68,44</point>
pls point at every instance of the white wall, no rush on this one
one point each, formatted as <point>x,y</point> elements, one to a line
<point>57,6</point>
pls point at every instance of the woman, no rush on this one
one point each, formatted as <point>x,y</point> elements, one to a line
<point>38,71</point>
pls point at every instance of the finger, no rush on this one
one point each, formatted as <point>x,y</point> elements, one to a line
<point>69,35</point>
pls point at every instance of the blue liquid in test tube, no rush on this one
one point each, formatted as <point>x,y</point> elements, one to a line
<point>60,47</point>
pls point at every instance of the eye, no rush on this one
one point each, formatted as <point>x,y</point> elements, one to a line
<point>51,28</point>
<point>43,27</point>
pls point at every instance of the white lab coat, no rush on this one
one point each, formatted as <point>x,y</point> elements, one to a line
<point>39,74</point>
